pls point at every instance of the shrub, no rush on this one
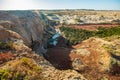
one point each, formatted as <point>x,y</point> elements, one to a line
<point>75,36</point>
<point>6,45</point>
<point>23,69</point>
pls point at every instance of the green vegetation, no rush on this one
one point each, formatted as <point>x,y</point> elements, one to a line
<point>78,20</point>
<point>75,36</point>
<point>23,69</point>
<point>113,49</point>
<point>6,45</point>
<point>107,32</point>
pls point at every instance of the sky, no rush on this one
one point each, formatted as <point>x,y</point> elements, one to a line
<point>59,4</point>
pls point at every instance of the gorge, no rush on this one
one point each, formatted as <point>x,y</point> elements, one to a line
<point>32,49</point>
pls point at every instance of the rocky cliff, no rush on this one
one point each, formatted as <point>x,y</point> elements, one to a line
<point>26,26</point>
<point>21,32</point>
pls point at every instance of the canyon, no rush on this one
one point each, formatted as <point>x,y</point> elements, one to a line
<point>27,54</point>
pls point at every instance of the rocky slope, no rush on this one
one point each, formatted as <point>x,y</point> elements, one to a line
<point>95,58</point>
<point>19,32</point>
<point>23,25</point>
<point>100,56</point>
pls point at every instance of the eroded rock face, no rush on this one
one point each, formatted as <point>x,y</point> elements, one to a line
<point>23,29</point>
<point>92,53</point>
<point>4,35</point>
<point>78,65</point>
<point>24,25</point>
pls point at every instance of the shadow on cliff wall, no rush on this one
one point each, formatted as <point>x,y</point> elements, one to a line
<point>58,55</point>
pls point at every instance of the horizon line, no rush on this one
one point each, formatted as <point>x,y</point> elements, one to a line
<point>61,9</point>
